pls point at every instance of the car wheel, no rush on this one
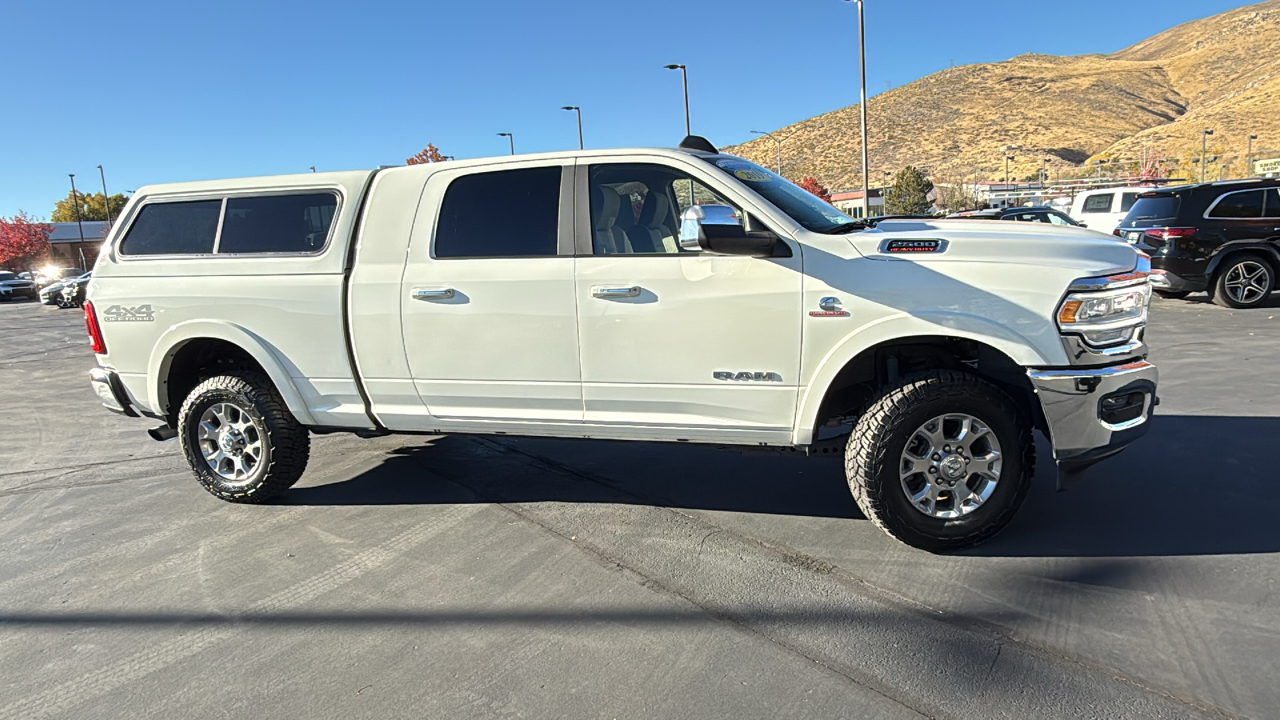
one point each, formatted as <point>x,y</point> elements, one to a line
<point>941,461</point>
<point>1244,281</point>
<point>240,440</point>
<point>1173,294</point>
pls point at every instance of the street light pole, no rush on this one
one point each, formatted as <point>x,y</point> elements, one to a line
<point>684,77</point>
<point>106,199</point>
<point>578,110</point>
<point>862,86</point>
<point>75,200</point>
<point>777,143</point>
<point>510,139</point>
<point>1204,141</point>
<point>1248,167</point>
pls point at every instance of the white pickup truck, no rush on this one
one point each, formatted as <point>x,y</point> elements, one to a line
<point>647,294</point>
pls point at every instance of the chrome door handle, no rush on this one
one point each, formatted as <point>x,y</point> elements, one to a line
<point>615,292</point>
<point>422,294</point>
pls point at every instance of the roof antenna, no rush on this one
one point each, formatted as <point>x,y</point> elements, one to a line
<point>697,142</point>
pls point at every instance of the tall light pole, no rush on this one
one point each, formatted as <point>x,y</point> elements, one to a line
<point>1248,167</point>
<point>684,76</point>
<point>1204,142</point>
<point>313,168</point>
<point>777,143</point>
<point>106,199</point>
<point>510,139</point>
<point>1007,158</point>
<point>578,110</point>
<point>75,200</point>
<point>862,85</point>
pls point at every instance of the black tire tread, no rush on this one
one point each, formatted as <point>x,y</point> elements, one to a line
<point>866,453</point>
<point>289,440</point>
<point>1218,293</point>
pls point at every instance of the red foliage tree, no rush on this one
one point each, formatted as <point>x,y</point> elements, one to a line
<point>430,155</point>
<point>811,184</point>
<point>23,239</point>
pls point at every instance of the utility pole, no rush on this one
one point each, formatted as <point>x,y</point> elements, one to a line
<point>1248,167</point>
<point>106,199</point>
<point>1204,142</point>
<point>75,200</point>
<point>862,84</point>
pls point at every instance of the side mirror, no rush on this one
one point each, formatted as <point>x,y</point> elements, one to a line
<point>720,230</point>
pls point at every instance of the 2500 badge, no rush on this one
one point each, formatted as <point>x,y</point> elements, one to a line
<point>120,313</point>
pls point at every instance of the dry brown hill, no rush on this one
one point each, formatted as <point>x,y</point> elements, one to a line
<point>1221,72</point>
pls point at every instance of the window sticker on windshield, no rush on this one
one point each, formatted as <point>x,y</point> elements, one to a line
<point>744,171</point>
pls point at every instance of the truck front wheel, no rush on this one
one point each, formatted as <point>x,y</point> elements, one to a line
<point>941,461</point>
<point>239,438</point>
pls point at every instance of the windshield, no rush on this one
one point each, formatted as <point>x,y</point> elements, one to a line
<point>1152,207</point>
<point>803,206</point>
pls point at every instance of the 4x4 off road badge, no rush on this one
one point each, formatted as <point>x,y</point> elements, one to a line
<point>120,313</point>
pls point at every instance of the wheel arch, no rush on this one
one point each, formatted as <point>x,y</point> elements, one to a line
<point>183,353</point>
<point>1266,248</point>
<point>845,381</point>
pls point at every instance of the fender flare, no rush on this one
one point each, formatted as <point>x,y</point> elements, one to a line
<point>179,335</point>
<point>1266,247</point>
<point>905,326</point>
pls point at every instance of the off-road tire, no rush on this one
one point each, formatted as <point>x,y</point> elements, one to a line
<point>286,443</point>
<point>1173,294</point>
<point>874,451</point>
<point>1219,287</point>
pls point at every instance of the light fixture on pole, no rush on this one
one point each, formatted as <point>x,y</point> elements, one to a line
<point>777,143</point>
<point>1204,141</point>
<point>1248,167</point>
<point>684,77</point>
<point>106,199</point>
<point>313,168</point>
<point>578,110</point>
<point>75,201</point>
<point>510,139</point>
<point>1007,158</point>
<point>862,86</point>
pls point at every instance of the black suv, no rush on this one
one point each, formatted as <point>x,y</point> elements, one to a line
<point>1222,237</point>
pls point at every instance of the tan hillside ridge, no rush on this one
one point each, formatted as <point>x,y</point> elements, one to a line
<point>1154,98</point>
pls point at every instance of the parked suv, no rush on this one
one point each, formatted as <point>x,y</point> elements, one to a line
<point>1043,214</point>
<point>1221,237</point>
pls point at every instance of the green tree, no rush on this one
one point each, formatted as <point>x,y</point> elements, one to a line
<point>92,207</point>
<point>909,194</point>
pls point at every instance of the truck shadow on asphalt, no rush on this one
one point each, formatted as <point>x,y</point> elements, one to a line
<point>1193,486</point>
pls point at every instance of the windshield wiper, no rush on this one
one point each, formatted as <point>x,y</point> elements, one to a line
<point>846,228</point>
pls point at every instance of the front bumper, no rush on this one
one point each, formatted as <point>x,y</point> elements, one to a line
<point>106,383</point>
<point>1093,413</point>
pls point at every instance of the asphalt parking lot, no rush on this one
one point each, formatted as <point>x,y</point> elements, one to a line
<point>480,577</point>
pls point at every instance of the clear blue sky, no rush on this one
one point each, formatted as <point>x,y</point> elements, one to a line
<point>169,91</point>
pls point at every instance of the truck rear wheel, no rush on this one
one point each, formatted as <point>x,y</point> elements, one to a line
<point>941,461</point>
<point>239,438</point>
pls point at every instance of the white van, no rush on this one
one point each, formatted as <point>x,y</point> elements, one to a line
<point>1102,210</point>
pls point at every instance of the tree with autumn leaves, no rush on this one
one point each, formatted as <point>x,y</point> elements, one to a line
<point>23,240</point>
<point>811,184</point>
<point>430,155</point>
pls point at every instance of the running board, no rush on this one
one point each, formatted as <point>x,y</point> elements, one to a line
<point>160,433</point>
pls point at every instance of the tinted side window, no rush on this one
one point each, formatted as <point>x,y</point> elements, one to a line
<point>277,223</point>
<point>1238,205</point>
<point>176,228</point>
<point>509,213</point>
<point>1099,203</point>
<point>1272,208</point>
<point>1127,200</point>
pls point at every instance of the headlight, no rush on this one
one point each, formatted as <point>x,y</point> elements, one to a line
<point>1106,310</point>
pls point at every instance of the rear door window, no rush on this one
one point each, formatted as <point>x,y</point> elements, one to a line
<point>173,228</point>
<point>278,223</point>
<point>1127,200</point>
<point>1238,205</point>
<point>1271,203</point>
<point>508,213</point>
<point>1100,203</point>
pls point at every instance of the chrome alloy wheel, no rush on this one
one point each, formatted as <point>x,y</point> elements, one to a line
<point>231,442</point>
<point>950,466</point>
<point>1248,281</point>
